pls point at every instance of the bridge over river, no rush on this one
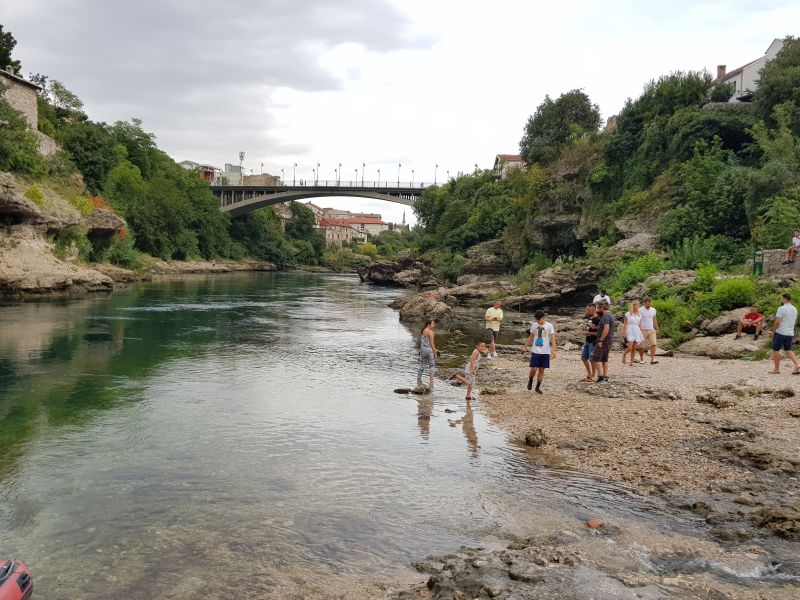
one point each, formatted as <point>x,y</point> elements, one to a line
<point>242,199</point>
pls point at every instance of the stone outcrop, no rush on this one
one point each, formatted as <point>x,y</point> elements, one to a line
<point>103,223</point>
<point>485,261</point>
<point>406,270</point>
<point>722,347</point>
<point>670,278</point>
<point>725,323</point>
<point>420,307</point>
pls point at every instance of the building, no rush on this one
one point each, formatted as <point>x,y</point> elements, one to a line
<point>21,96</point>
<point>369,225</point>
<point>231,175</point>
<point>338,232</point>
<point>745,79</point>
<point>207,173</point>
<point>503,163</point>
<point>264,179</point>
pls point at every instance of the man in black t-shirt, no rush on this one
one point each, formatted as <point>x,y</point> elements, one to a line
<point>592,320</point>
<point>605,339</point>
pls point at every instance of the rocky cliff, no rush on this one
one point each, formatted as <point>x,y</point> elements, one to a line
<point>30,216</point>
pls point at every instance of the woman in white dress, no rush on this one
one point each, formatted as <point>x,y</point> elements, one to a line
<point>632,331</point>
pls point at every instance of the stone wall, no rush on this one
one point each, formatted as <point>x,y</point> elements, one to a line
<point>773,263</point>
<point>21,95</point>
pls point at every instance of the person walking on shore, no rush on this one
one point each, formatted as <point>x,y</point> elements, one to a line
<point>492,319</point>
<point>471,368</point>
<point>631,331</point>
<point>427,353</point>
<point>785,320</point>
<point>592,319</point>
<point>605,339</point>
<point>650,329</point>
<point>543,338</point>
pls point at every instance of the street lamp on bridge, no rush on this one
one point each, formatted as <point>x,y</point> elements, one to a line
<point>339,176</point>
<point>294,173</point>
<point>398,173</point>
<point>316,175</point>
<point>412,177</point>
<point>282,180</point>
<point>363,166</point>
<point>379,178</point>
<point>435,170</point>
<point>355,182</point>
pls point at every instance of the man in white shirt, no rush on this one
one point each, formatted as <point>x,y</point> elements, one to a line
<point>791,251</point>
<point>493,318</point>
<point>649,328</point>
<point>602,297</point>
<point>783,338</point>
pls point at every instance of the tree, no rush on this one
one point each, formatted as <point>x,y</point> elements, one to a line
<point>301,225</point>
<point>557,122</point>
<point>19,146</point>
<point>7,44</point>
<point>779,84</point>
<point>93,150</point>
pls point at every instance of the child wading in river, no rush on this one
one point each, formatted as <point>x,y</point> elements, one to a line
<point>471,368</point>
<point>543,338</point>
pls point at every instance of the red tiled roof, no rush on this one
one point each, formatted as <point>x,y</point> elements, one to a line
<point>509,157</point>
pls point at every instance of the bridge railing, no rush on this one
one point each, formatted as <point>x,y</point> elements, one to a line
<point>333,183</point>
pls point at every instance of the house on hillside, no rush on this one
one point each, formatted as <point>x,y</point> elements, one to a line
<point>207,173</point>
<point>370,225</point>
<point>503,163</point>
<point>21,95</point>
<point>340,232</point>
<point>745,78</point>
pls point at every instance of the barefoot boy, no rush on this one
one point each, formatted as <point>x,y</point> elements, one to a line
<point>471,368</point>
<point>543,338</point>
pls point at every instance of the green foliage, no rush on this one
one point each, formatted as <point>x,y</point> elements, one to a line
<point>260,235</point>
<point>368,249</point>
<point>779,84</point>
<point>344,259</point>
<point>630,273</point>
<point>673,315</point>
<point>447,265</point>
<point>93,150</point>
<point>82,205</point>
<point>69,240</point>
<point>123,253</point>
<point>727,294</point>
<point>717,250</point>
<point>527,274</point>
<point>721,92</point>
<point>7,44</point>
<point>774,228</point>
<point>35,195</point>
<point>706,279</point>
<point>556,123</point>
<point>19,146</point>
<point>390,243</point>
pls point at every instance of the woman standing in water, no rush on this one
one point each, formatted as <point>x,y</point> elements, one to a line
<point>427,353</point>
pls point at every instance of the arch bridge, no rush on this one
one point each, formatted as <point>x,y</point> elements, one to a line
<point>238,200</point>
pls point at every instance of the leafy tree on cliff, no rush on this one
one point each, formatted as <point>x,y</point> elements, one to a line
<point>779,84</point>
<point>93,150</point>
<point>7,44</point>
<point>19,146</point>
<point>557,122</point>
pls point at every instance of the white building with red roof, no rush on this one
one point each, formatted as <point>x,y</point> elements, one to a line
<point>503,163</point>
<point>745,79</point>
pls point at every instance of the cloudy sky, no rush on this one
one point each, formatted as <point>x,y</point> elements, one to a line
<point>381,82</point>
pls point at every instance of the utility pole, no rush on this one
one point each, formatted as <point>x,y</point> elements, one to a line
<point>316,177</point>
<point>398,173</point>
<point>363,166</point>
<point>435,170</point>
<point>379,178</point>
<point>339,177</point>
<point>294,173</point>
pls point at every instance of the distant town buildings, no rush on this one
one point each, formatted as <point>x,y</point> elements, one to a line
<point>504,163</point>
<point>231,175</point>
<point>745,79</point>
<point>341,226</point>
<point>208,173</point>
<point>264,179</point>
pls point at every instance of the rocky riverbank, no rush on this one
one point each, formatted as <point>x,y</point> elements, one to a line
<point>718,440</point>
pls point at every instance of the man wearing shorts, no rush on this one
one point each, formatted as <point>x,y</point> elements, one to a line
<point>751,323</point>
<point>785,319</point>
<point>649,328</point>
<point>592,319</point>
<point>543,338</point>
<point>493,318</point>
<point>605,339</point>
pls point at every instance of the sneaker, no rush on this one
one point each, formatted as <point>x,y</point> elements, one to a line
<point>602,380</point>
<point>755,338</point>
<point>738,337</point>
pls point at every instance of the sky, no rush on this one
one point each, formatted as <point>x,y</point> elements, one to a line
<point>381,83</point>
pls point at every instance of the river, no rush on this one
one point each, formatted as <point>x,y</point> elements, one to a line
<point>238,436</point>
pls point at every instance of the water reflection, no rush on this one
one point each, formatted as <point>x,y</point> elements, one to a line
<point>467,423</point>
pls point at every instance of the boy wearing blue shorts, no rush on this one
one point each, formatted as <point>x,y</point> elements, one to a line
<point>543,339</point>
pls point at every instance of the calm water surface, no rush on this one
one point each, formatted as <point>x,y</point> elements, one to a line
<point>235,434</point>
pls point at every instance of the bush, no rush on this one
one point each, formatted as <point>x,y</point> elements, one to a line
<point>72,239</point>
<point>123,253</point>
<point>35,195</point>
<point>718,250</point>
<point>705,280</point>
<point>82,205</point>
<point>672,317</point>
<point>525,276</point>
<point>734,293</point>
<point>344,259</point>
<point>368,249</point>
<point>635,271</point>
<point>447,266</point>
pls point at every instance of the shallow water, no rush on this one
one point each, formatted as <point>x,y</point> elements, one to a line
<point>238,434</point>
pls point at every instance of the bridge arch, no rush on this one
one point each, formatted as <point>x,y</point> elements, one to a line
<point>240,200</point>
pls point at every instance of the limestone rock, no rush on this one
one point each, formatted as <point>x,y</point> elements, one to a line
<point>420,307</point>
<point>381,272</point>
<point>643,242</point>
<point>486,259</point>
<point>535,438</point>
<point>478,293</point>
<point>670,278</point>
<point>725,323</point>
<point>103,223</point>
<point>719,347</point>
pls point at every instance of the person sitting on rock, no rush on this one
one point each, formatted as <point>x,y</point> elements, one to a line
<point>791,251</point>
<point>751,323</point>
